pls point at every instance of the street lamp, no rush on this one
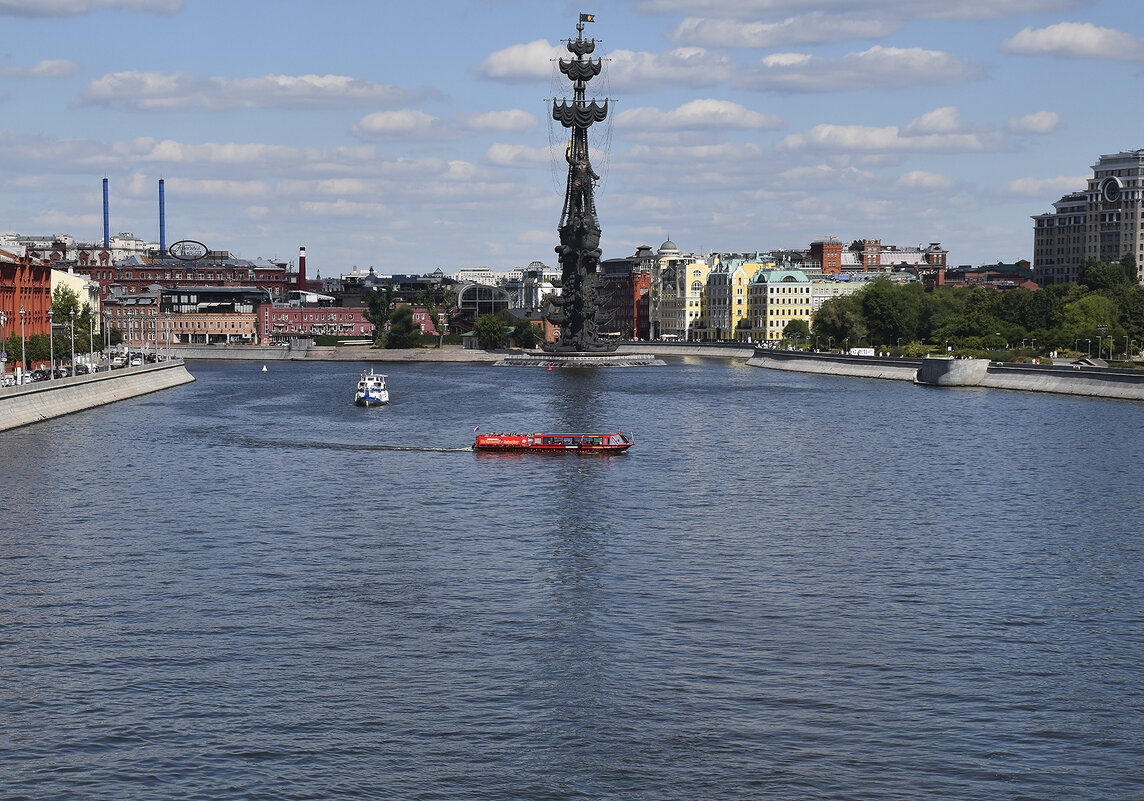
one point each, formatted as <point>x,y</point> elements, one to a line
<point>51,347</point>
<point>71,313</point>
<point>1088,344</point>
<point>3,344</point>
<point>830,344</point>
<point>23,352</point>
<point>90,339</point>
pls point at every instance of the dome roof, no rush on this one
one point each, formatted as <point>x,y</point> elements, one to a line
<point>668,245</point>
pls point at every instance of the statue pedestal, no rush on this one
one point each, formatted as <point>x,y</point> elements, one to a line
<point>543,359</point>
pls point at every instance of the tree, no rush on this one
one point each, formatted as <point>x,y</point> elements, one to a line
<point>525,335</point>
<point>840,318</point>
<point>489,330</point>
<point>884,307</point>
<point>402,332</point>
<point>1099,275</point>
<point>379,308</point>
<point>1128,264</point>
<point>797,327</point>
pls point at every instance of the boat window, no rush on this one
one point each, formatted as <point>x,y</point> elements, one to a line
<point>571,440</point>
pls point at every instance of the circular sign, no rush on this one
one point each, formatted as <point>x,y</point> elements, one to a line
<point>1111,190</point>
<point>188,250</point>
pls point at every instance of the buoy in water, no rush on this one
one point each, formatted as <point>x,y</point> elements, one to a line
<point>550,367</point>
<point>264,368</point>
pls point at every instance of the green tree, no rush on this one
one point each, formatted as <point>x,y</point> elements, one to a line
<point>379,309</point>
<point>797,327</point>
<point>888,312</point>
<point>489,330</point>
<point>840,318</point>
<point>1128,264</point>
<point>402,332</point>
<point>1099,275</point>
<point>525,335</point>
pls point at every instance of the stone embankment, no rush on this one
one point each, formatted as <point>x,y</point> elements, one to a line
<point>1068,379</point>
<point>31,403</point>
<point>837,364</point>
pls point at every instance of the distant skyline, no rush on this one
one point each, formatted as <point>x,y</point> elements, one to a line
<point>415,136</point>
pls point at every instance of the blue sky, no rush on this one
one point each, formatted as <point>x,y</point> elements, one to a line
<point>411,136</point>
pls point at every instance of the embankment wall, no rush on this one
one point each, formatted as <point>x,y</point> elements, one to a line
<point>31,403</point>
<point>1095,382</point>
<point>837,364</point>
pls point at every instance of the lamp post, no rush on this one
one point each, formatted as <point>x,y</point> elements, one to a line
<point>71,314</point>
<point>899,343</point>
<point>3,345</point>
<point>51,347</point>
<point>23,350</point>
<point>1126,348</point>
<point>830,344</point>
<point>1076,345</point>
<point>90,339</point>
<point>1088,344</point>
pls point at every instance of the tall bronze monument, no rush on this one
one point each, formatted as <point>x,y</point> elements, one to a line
<point>576,311</point>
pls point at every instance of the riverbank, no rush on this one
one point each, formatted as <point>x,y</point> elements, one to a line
<point>449,353</point>
<point>1067,379</point>
<point>43,400</point>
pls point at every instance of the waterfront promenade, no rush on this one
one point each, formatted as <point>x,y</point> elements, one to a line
<point>44,400</point>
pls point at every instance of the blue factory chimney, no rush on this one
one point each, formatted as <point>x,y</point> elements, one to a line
<point>162,222</point>
<point>106,219</point>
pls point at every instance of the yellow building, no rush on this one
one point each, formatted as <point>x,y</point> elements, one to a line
<point>727,298</point>
<point>678,293</point>
<point>775,297</point>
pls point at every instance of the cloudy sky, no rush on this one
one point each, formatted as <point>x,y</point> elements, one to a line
<point>409,136</point>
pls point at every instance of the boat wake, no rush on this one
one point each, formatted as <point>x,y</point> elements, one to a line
<point>344,446</point>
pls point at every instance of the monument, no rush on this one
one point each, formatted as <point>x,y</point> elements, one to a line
<point>576,312</point>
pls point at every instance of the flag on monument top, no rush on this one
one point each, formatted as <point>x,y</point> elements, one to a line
<point>587,17</point>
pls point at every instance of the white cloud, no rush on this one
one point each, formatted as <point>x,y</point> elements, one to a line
<point>1046,187</point>
<point>1076,40</point>
<point>50,68</point>
<point>890,9</point>
<point>888,139</point>
<point>876,68</point>
<point>71,8</point>
<point>510,120</point>
<point>814,28</point>
<point>503,155</point>
<point>522,62</point>
<point>703,113</point>
<point>920,179</point>
<point>1038,122</point>
<point>941,120</point>
<point>154,91</point>
<point>403,124</point>
<point>681,67</point>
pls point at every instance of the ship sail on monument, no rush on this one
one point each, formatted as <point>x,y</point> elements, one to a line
<point>577,311</point>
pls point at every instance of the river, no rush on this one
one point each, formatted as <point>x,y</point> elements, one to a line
<point>792,586</point>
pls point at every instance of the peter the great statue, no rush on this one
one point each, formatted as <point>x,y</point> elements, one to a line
<point>576,312</point>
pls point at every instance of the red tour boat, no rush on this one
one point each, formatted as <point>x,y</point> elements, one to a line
<point>552,443</point>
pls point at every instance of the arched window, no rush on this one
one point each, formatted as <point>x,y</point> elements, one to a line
<point>696,286</point>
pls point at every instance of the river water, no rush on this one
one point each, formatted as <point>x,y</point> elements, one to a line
<point>791,587</point>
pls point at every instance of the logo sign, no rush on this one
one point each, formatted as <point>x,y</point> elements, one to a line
<point>188,250</point>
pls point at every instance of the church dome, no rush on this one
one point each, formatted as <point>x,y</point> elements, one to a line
<point>668,245</point>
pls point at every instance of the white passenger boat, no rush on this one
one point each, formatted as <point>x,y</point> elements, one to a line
<point>371,390</point>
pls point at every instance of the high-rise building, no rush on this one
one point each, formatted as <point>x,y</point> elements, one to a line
<point>1104,222</point>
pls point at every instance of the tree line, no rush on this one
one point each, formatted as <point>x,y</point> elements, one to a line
<point>1105,302</point>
